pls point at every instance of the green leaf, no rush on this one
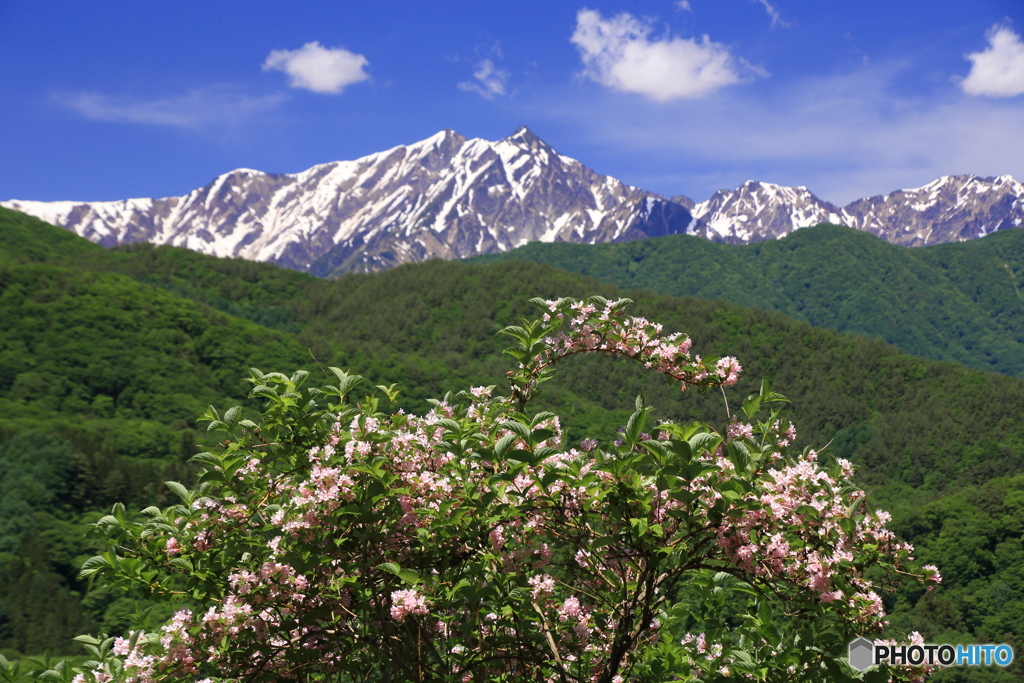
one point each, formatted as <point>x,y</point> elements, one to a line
<point>541,417</point>
<point>450,425</point>
<point>93,565</point>
<point>231,416</point>
<point>704,441</point>
<point>181,563</point>
<point>751,406</point>
<point>680,448</point>
<point>207,458</point>
<point>739,455</point>
<point>346,381</point>
<point>641,401</point>
<point>503,444</point>
<point>180,491</point>
<point>640,524</point>
<point>212,476</point>
<point>542,304</point>
<point>521,430</point>
<point>542,454</point>
<point>389,567</point>
<point>265,391</point>
<point>409,576</point>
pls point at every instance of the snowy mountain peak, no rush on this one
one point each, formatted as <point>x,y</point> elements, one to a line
<point>523,135</point>
<point>451,197</point>
<point>446,196</point>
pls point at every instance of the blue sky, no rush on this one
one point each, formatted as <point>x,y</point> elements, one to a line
<point>109,100</point>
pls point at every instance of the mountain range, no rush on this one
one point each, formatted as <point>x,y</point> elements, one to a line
<point>451,197</point>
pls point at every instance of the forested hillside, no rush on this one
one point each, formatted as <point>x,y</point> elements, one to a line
<point>109,355</point>
<point>962,302</point>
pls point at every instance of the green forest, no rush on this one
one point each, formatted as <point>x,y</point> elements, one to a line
<point>109,356</point>
<point>960,302</point>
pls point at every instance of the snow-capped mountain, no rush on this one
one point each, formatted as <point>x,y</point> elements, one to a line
<point>950,209</point>
<point>452,197</point>
<point>758,211</point>
<point>445,197</point>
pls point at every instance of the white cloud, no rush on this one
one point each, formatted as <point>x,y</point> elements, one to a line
<point>774,14</point>
<point>844,137</point>
<point>490,80</point>
<point>218,105</point>
<point>317,68</point>
<point>619,53</point>
<point>684,5</point>
<point>999,70</point>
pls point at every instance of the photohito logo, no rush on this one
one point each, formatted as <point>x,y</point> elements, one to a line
<point>864,653</point>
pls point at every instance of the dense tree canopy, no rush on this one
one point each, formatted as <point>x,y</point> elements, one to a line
<point>916,430</point>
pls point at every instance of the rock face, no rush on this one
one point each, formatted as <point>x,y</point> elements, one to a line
<point>451,197</point>
<point>950,209</point>
<point>445,197</point>
<point>759,211</point>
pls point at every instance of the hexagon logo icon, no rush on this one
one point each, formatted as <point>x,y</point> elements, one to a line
<point>862,654</point>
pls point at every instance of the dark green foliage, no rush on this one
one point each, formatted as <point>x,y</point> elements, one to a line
<point>961,302</point>
<point>246,289</point>
<point>91,345</point>
<point>976,536</point>
<point>48,490</point>
<point>26,239</point>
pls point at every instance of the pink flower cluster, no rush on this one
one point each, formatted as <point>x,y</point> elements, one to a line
<point>593,328</point>
<point>792,528</point>
<point>406,602</point>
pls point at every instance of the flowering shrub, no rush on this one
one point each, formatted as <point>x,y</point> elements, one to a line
<point>332,541</point>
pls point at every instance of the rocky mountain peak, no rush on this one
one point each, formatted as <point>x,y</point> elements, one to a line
<point>443,197</point>
<point>451,197</point>
<point>523,135</point>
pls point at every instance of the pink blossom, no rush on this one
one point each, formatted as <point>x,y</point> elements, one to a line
<point>728,368</point>
<point>497,537</point>
<point>542,584</point>
<point>570,609</point>
<point>121,647</point>
<point>739,430</point>
<point>405,602</point>
<point>202,541</point>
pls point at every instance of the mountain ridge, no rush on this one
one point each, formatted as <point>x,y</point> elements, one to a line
<point>451,197</point>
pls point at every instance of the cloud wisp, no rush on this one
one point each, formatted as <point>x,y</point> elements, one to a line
<point>198,109</point>
<point>999,70</point>
<point>489,81</point>
<point>774,14</point>
<point>317,68</point>
<point>620,53</point>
